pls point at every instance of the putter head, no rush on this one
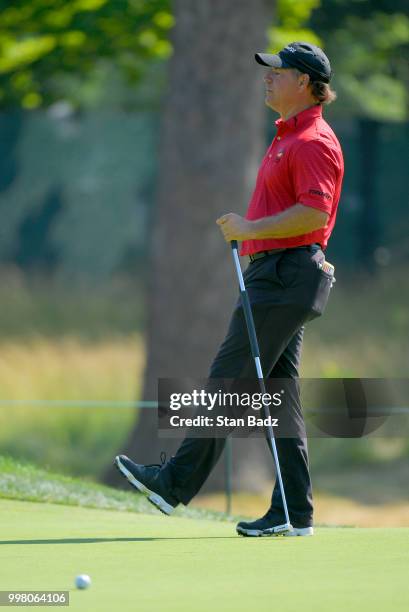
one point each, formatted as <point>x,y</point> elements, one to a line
<point>277,529</point>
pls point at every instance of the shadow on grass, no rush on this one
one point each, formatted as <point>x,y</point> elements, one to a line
<point>101,540</point>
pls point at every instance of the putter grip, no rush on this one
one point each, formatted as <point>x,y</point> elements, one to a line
<point>233,244</point>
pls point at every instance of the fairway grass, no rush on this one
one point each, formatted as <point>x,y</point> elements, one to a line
<point>150,562</point>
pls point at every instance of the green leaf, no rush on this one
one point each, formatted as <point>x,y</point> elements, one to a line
<point>378,96</point>
<point>20,53</point>
<point>280,37</point>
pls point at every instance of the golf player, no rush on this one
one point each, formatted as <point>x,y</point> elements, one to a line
<point>288,223</point>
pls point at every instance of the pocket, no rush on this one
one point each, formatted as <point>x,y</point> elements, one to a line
<point>321,294</point>
<point>262,280</point>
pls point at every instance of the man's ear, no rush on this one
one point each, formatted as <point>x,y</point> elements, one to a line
<point>305,80</point>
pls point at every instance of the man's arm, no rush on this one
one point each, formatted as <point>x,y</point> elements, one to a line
<point>294,221</point>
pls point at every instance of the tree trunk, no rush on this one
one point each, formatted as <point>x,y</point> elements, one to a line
<point>212,142</point>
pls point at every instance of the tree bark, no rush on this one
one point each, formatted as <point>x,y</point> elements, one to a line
<point>213,138</point>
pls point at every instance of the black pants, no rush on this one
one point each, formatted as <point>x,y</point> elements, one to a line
<point>286,290</point>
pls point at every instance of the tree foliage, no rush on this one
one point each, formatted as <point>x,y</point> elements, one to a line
<point>368,42</point>
<point>85,51</point>
<point>53,49</point>
<point>292,24</point>
<point>45,42</point>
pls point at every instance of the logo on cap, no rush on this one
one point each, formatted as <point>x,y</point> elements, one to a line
<point>291,49</point>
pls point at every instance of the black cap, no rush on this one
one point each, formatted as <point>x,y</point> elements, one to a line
<point>306,57</point>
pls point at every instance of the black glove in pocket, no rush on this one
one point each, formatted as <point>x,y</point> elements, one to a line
<point>321,293</point>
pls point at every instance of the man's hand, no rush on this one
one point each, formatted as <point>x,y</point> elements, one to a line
<point>235,227</point>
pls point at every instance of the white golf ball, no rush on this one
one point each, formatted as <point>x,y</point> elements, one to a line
<point>82,581</point>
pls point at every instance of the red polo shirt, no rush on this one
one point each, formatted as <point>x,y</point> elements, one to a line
<point>303,165</point>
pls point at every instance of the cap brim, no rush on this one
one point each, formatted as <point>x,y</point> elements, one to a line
<point>274,61</point>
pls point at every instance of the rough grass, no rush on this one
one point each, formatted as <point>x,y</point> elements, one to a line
<point>74,440</point>
<point>71,368</point>
<point>86,344</point>
<point>47,308</point>
<point>365,330</point>
<point>26,482</point>
<point>329,509</point>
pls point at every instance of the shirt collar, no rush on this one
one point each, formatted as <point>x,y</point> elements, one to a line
<point>297,121</point>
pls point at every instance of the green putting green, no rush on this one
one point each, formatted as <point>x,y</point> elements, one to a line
<point>148,562</point>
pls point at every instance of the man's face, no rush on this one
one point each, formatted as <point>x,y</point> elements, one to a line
<point>282,88</point>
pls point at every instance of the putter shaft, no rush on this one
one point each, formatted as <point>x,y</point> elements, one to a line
<point>256,356</point>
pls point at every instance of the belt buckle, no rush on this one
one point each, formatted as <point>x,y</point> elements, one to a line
<point>261,254</point>
<point>258,255</point>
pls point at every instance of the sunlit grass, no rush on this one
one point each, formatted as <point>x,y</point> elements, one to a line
<point>71,368</point>
<point>78,440</point>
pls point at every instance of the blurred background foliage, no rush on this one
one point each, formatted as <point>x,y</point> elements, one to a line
<point>80,50</point>
<point>90,51</point>
<point>82,87</point>
<point>368,42</point>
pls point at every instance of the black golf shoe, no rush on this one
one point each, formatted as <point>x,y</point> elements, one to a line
<point>149,480</point>
<point>269,525</point>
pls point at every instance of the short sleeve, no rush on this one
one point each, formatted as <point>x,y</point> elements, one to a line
<point>315,175</point>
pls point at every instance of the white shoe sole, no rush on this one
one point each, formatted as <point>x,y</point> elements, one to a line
<point>254,533</point>
<point>151,496</point>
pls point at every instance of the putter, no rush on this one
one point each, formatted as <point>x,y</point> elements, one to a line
<point>256,356</point>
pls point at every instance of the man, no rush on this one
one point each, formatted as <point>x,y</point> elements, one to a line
<point>287,226</point>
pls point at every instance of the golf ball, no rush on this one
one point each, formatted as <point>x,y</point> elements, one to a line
<point>82,581</point>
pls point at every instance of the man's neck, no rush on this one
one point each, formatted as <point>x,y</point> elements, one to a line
<point>295,110</point>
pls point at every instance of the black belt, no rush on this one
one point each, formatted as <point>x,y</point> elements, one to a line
<point>261,254</point>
